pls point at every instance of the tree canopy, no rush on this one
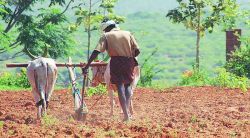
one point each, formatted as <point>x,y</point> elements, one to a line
<point>33,28</point>
<point>201,16</point>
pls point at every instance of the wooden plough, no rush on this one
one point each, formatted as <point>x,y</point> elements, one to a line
<point>80,107</point>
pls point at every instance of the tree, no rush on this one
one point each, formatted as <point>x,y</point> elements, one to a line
<point>4,38</point>
<point>148,70</point>
<point>200,16</point>
<point>90,14</point>
<point>229,15</point>
<point>239,63</point>
<point>35,28</point>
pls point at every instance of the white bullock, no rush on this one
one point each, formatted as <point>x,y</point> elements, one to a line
<point>102,75</point>
<point>42,74</point>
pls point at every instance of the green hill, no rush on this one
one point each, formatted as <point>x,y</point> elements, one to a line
<point>176,45</point>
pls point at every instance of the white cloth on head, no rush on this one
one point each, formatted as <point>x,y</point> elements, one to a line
<point>104,25</point>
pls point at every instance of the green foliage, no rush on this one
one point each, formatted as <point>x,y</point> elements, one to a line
<point>194,78</point>
<point>193,119</point>
<point>4,39</point>
<point>230,13</point>
<point>60,2</point>
<point>148,70</point>
<point>2,3</point>
<point>239,63</point>
<point>92,14</point>
<point>15,80</point>
<point>35,28</point>
<point>222,78</point>
<point>147,75</point>
<point>188,13</point>
<point>1,125</point>
<point>200,16</point>
<point>99,90</point>
<point>46,29</point>
<point>175,43</point>
<point>226,79</point>
<point>49,121</point>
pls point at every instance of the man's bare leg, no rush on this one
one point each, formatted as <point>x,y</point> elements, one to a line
<point>122,99</point>
<point>128,95</point>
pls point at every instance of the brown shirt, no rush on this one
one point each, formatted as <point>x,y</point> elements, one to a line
<point>117,43</point>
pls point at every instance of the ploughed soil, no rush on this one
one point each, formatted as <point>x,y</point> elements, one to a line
<point>175,112</point>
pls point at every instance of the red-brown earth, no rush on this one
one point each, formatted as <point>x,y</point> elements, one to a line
<point>176,112</point>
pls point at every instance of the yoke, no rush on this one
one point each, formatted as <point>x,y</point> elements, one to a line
<point>80,110</point>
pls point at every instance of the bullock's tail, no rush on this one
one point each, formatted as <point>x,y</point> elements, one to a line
<point>137,74</point>
<point>42,90</point>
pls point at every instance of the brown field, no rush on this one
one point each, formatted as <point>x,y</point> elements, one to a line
<point>178,112</point>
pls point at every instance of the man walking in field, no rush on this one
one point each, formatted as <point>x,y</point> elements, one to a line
<point>122,47</point>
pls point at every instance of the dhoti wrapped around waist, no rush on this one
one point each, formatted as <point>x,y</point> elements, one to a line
<point>121,69</point>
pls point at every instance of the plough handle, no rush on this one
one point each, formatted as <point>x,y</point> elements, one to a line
<point>83,86</point>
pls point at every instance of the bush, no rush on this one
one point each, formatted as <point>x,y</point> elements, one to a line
<point>221,79</point>
<point>227,79</point>
<point>49,121</point>
<point>15,79</point>
<point>99,90</point>
<point>194,78</point>
<point>239,64</point>
<point>148,70</point>
<point>147,75</point>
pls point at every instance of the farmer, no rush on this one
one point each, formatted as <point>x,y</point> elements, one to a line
<point>121,46</point>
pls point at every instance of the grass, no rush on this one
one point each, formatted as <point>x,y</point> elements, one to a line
<point>11,132</point>
<point>193,119</point>
<point>49,121</point>
<point>100,132</point>
<point>12,88</point>
<point>173,133</point>
<point>1,125</point>
<point>233,134</point>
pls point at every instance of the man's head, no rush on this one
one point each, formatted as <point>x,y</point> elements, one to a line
<point>108,25</point>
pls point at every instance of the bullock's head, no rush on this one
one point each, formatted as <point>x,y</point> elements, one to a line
<point>45,53</point>
<point>98,75</point>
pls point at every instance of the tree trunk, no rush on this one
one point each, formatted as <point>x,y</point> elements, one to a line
<point>232,42</point>
<point>89,27</point>
<point>197,64</point>
<point>89,36</point>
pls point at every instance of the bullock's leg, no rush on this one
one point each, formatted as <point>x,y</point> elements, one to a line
<point>39,106</point>
<point>44,105</point>
<point>51,83</point>
<point>110,88</point>
<point>42,102</point>
<point>131,108</point>
<point>31,74</point>
<point>39,111</point>
<point>111,98</point>
<point>38,98</point>
<point>38,103</point>
<point>122,99</point>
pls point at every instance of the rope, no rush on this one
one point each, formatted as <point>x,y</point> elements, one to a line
<point>99,70</point>
<point>100,97</point>
<point>99,82</point>
<point>77,90</point>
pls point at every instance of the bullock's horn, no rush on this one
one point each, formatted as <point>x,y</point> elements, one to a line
<point>30,54</point>
<point>45,54</point>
